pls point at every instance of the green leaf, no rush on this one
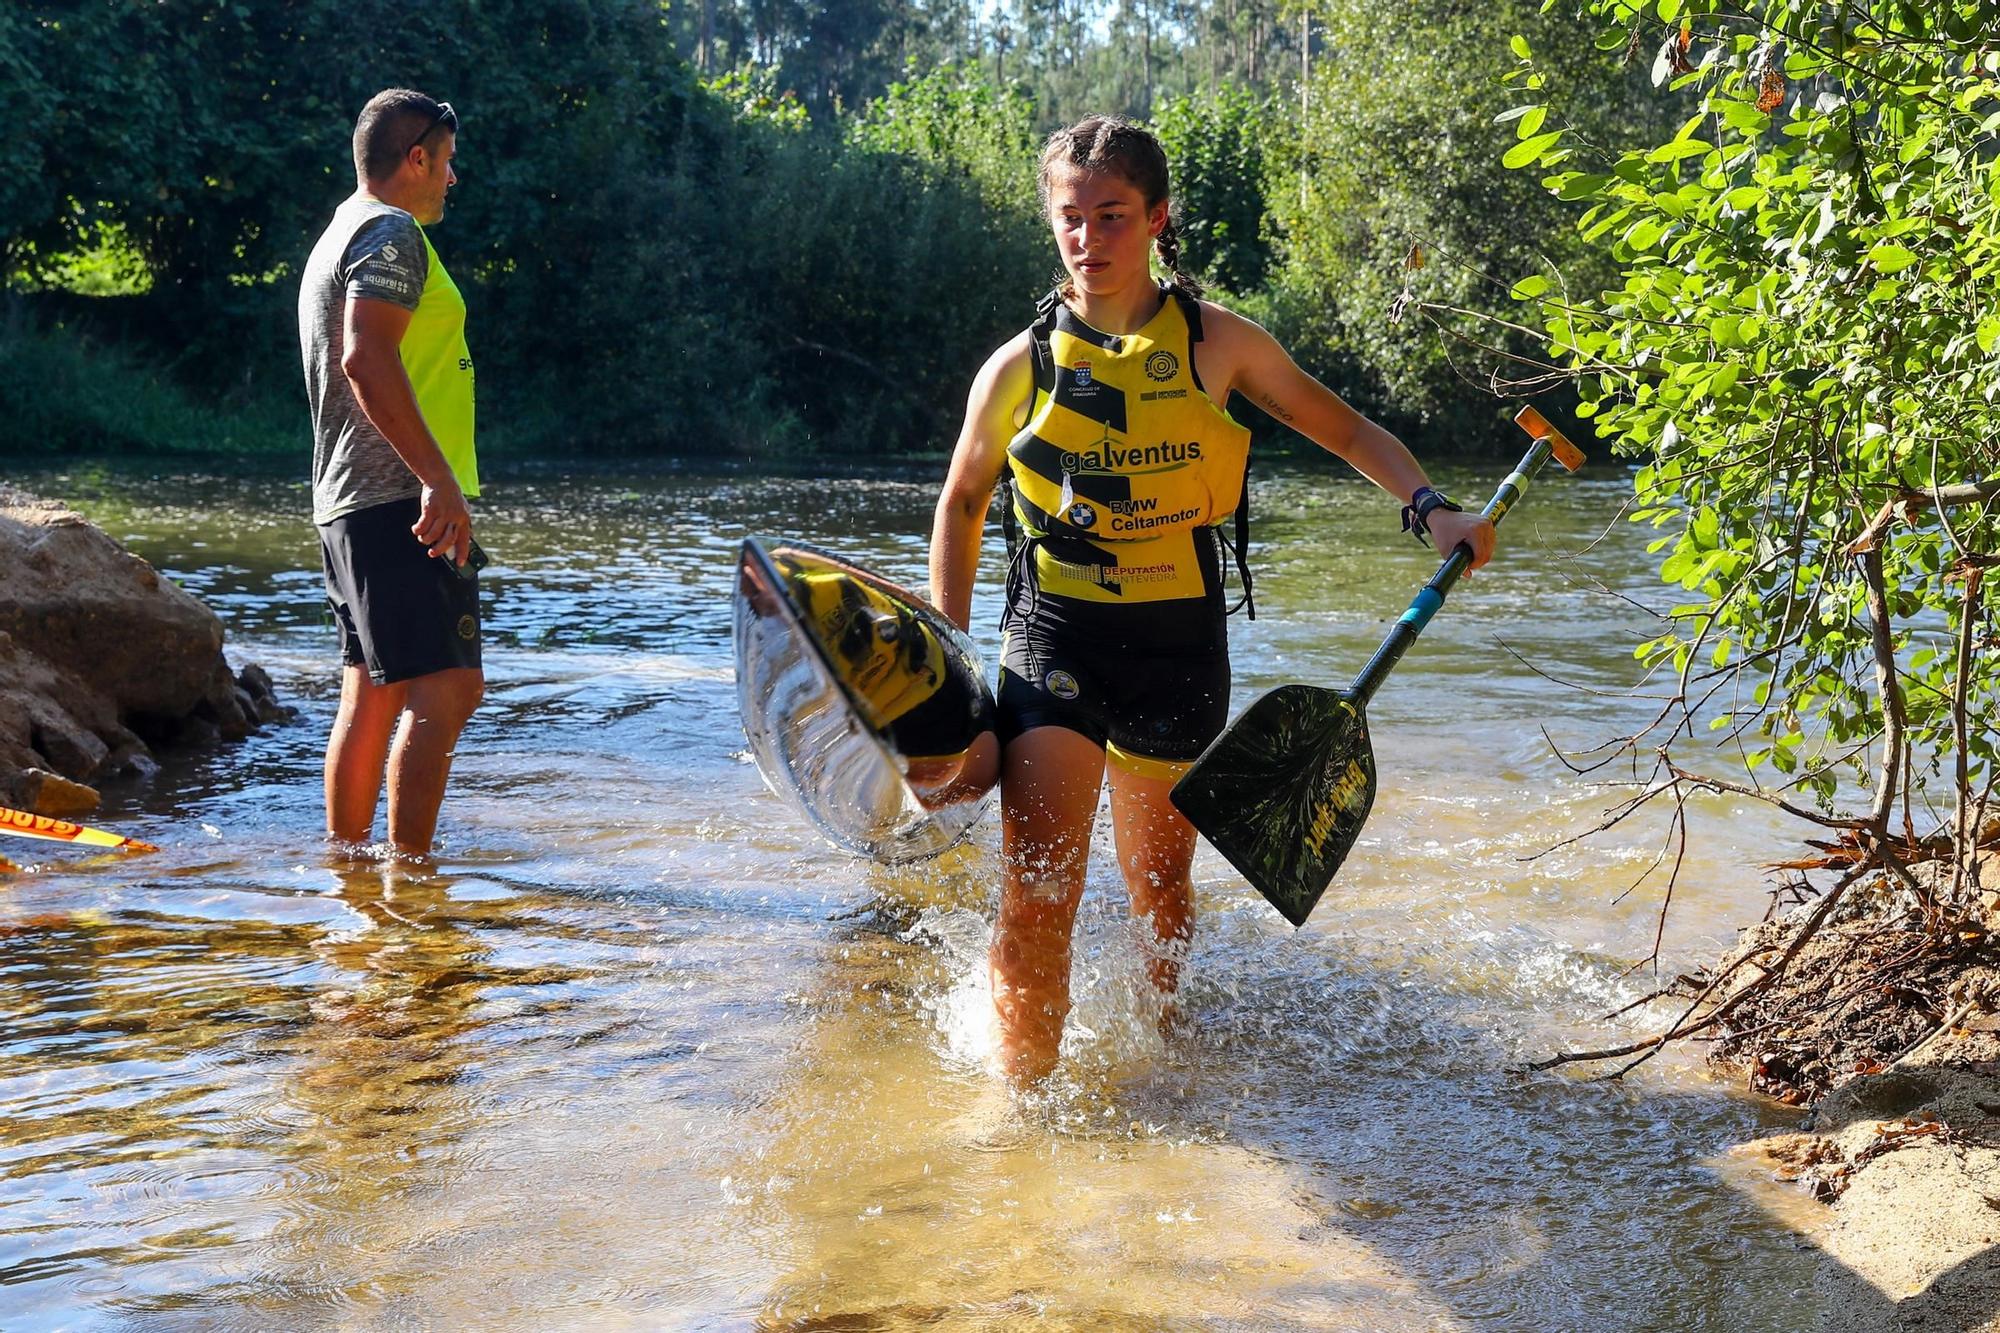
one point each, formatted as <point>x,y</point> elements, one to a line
<point>1888,257</point>
<point>1745,117</point>
<point>1578,185</point>
<point>1531,122</point>
<point>1519,46</point>
<point>1679,149</point>
<point>1644,233</point>
<point>1521,154</point>
<point>1529,287</point>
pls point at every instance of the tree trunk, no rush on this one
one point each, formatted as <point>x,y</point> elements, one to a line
<point>1146,59</point>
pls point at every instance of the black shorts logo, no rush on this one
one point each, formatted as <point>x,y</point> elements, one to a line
<point>1061,684</point>
<point>468,628</point>
<point>1162,366</point>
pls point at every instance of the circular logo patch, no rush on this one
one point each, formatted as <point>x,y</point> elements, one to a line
<point>1061,684</point>
<point>1162,366</point>
<point>1082,515</point>
<point>468,628</point>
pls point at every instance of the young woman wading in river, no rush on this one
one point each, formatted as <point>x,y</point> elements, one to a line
<point>1107,415</point>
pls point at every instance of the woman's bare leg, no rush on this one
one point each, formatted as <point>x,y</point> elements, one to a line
<point>1049,785</point>
<point>1156,851</point>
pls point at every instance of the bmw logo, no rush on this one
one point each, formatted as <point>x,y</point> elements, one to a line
<point>1082,515</point>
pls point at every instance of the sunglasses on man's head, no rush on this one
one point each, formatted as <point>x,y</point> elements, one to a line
<point>445,116</point>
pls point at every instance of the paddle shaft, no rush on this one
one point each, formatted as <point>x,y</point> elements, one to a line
<point>1431,596</point>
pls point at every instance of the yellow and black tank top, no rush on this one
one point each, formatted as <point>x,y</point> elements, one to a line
<point>1126,464</point>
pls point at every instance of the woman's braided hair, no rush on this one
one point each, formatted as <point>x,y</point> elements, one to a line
<point>1109,143</point>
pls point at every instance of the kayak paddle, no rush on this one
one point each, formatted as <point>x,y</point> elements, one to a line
<point>1284,791</point>
<point>22,824</point>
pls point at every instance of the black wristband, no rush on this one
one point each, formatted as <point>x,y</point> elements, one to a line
<point>1417,513</point>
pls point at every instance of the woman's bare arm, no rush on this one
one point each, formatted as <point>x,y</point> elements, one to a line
<point>996,408</point>
<point>1248,360</point>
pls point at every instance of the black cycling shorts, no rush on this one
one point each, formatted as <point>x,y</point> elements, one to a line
<point>401,611</point>
<point>1154,711</point>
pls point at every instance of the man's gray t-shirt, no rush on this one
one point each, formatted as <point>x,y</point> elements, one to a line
<point>374,251</point>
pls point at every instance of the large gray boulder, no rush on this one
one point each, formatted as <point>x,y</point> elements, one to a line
<point>101,659</point>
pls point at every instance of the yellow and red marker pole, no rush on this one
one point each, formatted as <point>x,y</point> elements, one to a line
<point>22,824</point>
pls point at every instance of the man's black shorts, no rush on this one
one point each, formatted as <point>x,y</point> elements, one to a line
<point>402,612</point>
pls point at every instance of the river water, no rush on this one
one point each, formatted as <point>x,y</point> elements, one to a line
<point>642,1053</point>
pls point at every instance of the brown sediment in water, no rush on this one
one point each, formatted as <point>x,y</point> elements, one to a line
<point>1890,1034</point>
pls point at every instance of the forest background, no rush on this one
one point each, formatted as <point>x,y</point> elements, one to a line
<point>721,228</point>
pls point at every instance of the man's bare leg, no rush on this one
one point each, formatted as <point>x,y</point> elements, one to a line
<point>433,715</point>
<point>356,751</point>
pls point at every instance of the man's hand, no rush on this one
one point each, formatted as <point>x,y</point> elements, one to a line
<point>1448,529</point>
<point>445,523</point>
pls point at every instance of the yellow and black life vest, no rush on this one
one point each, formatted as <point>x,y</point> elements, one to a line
<point>1126,465</point>
<point>882,649</point>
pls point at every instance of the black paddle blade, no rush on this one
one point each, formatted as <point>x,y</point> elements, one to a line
<point>1283,793</point>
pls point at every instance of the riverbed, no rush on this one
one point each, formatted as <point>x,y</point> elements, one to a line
<point>642,1052</point>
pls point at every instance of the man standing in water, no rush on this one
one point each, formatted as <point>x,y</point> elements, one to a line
<point>389,378</point>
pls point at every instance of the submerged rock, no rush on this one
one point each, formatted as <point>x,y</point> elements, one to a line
<point>100,660</point>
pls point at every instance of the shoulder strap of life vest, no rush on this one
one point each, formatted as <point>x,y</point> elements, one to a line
<point>1191,313</point>
<point>1047,311</point>
<point>1248,605</point>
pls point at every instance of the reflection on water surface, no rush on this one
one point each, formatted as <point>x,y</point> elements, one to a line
<point>640,1052</point>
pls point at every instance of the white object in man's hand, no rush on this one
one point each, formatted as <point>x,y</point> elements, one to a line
<point>445,522</point>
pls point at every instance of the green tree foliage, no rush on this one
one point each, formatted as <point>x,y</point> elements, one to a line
<point>1394,152</point>
<point>1215,144</point>
<point>650,264</point>
<point>1801,349</point>
<point>662,260</point>
<point>214,138</point>
<point>1069,57</point>
<point>805,297</point>
<point>957,120</point>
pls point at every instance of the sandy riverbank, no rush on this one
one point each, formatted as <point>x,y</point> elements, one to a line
<point>1904,1147</point>
<point>1914,1240</point>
